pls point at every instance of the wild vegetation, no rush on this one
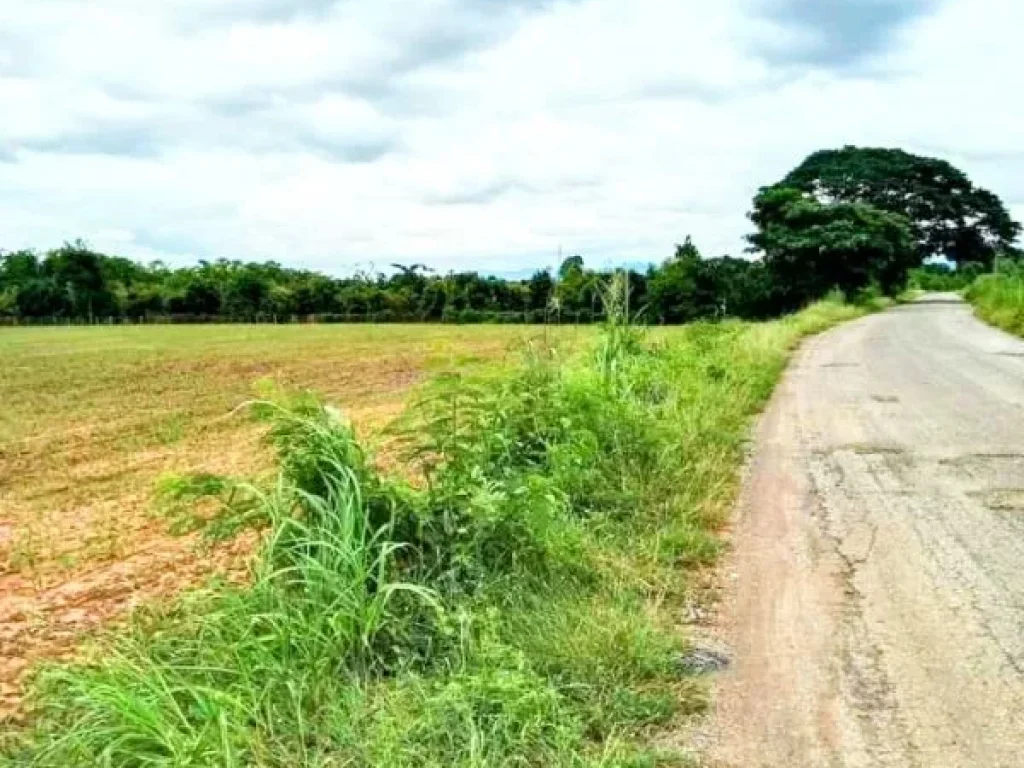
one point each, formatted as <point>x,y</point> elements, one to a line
<point>999,298</point>
<point>514,602</point>
<point>847,219</point>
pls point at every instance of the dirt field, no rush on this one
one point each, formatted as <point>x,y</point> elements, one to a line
<point>877,601</point>
<point>91,418</point>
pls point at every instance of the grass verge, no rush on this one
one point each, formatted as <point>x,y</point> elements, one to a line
<point>516,604</point>
<point>999,300</point>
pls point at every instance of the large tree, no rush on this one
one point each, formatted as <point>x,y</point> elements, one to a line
<point>810,248</point>
<point>948,215</point>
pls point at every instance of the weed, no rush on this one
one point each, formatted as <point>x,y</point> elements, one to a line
<point>217,505</point>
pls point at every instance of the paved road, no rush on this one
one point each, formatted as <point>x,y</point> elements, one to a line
<point>876,615</point>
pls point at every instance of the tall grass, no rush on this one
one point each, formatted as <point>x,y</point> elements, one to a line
<point>516,603</point>
<point>999,299</point>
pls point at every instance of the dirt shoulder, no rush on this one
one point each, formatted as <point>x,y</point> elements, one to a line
<point>875,611</point>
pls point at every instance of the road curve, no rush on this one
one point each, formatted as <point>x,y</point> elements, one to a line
<point>876,602</point>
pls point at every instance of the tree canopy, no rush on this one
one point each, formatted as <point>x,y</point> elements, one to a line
<point>948,215</point>
<point>810,248</point>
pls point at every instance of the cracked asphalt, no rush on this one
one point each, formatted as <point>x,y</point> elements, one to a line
<point>875,599</point>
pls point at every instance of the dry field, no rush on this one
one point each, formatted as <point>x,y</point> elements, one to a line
<point>93,417</point>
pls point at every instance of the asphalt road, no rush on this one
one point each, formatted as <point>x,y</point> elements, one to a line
<point>876,607</point>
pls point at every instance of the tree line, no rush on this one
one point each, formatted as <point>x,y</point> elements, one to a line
<point>853,219</point>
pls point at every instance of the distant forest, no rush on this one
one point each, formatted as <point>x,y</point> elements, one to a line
<point>851,219</point>
<point>74,282</point>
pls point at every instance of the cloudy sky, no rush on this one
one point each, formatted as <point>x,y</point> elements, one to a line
<point>478,134</point>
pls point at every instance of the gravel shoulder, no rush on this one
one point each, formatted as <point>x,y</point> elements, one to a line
<point>875,611</point>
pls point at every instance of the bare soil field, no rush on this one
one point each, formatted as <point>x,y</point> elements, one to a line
<point>92,418</point>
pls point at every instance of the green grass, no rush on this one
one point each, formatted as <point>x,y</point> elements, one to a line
<point>512,602</point>
<point>999,300</point>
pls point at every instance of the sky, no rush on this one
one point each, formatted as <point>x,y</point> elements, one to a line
<point>473,134</point>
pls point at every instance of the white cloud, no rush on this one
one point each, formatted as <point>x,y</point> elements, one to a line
<point>472,133</point>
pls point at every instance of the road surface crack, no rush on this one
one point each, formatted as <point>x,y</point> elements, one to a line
<point>864,686</point>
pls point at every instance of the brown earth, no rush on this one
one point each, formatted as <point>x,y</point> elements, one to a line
<point>875,611</point>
